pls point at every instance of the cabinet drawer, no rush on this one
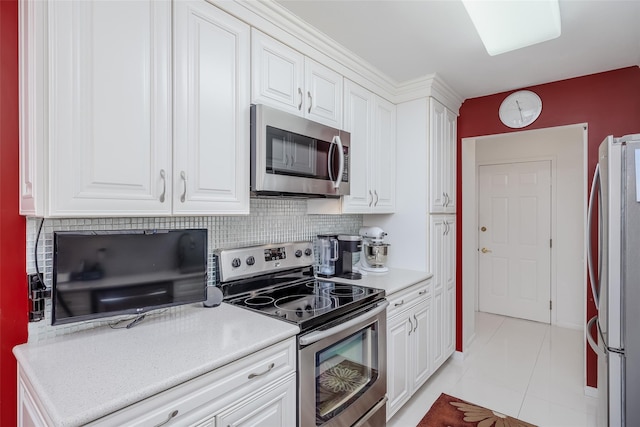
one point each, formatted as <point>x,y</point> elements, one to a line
<point>216,389</point>
<point>406,298</point>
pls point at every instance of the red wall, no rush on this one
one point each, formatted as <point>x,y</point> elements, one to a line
<point>609,102</point>
<point>13,291</point>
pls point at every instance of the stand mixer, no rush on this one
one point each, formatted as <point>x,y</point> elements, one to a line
<point>374,250</point>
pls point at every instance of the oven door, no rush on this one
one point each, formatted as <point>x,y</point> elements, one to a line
<point>342,370</point>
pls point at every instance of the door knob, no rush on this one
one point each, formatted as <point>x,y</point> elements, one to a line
<point>485,250</point>
<point>483,229</point>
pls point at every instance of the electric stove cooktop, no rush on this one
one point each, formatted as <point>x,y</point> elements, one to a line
<point>264,283</point>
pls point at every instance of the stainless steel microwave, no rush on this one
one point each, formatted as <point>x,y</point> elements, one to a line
<point>291,155</point>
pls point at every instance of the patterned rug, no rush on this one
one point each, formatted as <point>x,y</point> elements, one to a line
<point>449,411</point>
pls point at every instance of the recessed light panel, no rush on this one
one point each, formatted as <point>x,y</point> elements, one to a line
<point>506,25</point>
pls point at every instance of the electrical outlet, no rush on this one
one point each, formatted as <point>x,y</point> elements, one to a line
<point>34,282</point>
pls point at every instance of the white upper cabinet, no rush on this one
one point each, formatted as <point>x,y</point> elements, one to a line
<point>211,110</point>
<point>284,78</point>
<point>371,121</point>
<point>442,143</point>
<point>96,109</point>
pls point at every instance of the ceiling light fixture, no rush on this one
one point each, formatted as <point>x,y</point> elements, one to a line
<point>506,25</point>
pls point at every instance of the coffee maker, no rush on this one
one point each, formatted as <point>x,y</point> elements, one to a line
<point>334,255</point>
<point>348,245</point>
<point>326,253</point>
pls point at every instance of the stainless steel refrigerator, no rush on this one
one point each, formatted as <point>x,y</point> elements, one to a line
<point>615,279</point>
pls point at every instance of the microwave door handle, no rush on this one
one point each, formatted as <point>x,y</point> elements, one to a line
<point>592,200</point>
<point>338,142</point>
<point>316,336</point>
<point>330,161</point>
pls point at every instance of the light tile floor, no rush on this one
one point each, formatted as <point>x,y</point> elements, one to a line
<point>529,370</point>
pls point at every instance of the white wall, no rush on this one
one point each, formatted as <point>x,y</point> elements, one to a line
<point>565,146</point>
<point>408,228</point>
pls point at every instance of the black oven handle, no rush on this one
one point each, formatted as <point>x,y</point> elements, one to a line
<point>319,335</point>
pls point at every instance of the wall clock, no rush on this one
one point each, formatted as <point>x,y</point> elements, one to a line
<point>520,109</point>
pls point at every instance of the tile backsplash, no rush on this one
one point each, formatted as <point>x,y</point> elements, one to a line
<point>270,221</point>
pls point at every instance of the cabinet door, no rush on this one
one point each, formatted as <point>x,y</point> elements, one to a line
<point>211,155</point>
<point>449,280</point>
<point>450,142</point>
<point>421,343</point>
<point>109,108</point>
<point>437,330</point>
<point>275,407</point>
<point>358,121</point>
<point>383,167</point>
<point>323,101</point>
<point>277,74</point>
<point>438,156</point>
<point>398,367</point>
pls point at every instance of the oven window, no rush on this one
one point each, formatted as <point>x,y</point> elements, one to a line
<point>344,371</point>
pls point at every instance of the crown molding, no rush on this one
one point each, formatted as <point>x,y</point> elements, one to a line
<point>275,20</point>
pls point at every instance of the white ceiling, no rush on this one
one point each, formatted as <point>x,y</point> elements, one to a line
<point>413,39</point>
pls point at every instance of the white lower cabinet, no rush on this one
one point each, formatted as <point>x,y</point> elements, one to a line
<point>443,238</point>
<point>257,390</point>
<point>408,343</point>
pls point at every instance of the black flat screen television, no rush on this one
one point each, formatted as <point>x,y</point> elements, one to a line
<point>105,273</point>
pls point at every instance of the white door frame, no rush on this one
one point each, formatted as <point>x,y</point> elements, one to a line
<point>469,212</point>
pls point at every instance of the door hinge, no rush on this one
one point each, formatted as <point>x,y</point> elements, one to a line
<point>550,305</point>
<point>38,292</point>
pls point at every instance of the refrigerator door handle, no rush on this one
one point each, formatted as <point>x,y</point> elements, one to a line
<point>595,285</point>
<point>592,343</point>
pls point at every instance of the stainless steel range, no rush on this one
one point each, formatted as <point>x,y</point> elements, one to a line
<point>342,343</point>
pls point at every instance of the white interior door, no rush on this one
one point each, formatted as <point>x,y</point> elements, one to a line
<point>514,239</point>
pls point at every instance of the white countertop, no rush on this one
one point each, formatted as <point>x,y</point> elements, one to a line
<point>396,279</point>
<point>86,375</point>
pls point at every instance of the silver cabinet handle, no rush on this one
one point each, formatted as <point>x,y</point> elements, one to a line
<point>410,326</point>
<point>422,292</point>
<point>398,304</point>
<point>269,368</point>
<point>164,185</point>
<point>169,418</point>
<point>286,160</point>
<point>371,196</point>
<point>444,199</point>
<point>300,105</point>
<point>376,193</point>
<point>416,319</point>
<point>310,101</point>
<point>184,193</point>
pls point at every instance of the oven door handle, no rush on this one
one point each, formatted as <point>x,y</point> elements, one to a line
<point>318,335</point>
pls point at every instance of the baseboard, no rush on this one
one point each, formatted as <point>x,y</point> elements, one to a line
<point>458,355</point>
<point>590,391</point>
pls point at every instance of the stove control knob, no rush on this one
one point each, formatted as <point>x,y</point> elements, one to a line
<point>298,253</point>
<point>251,260</point>
<point>236,262</point>
<point>308,252</point>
